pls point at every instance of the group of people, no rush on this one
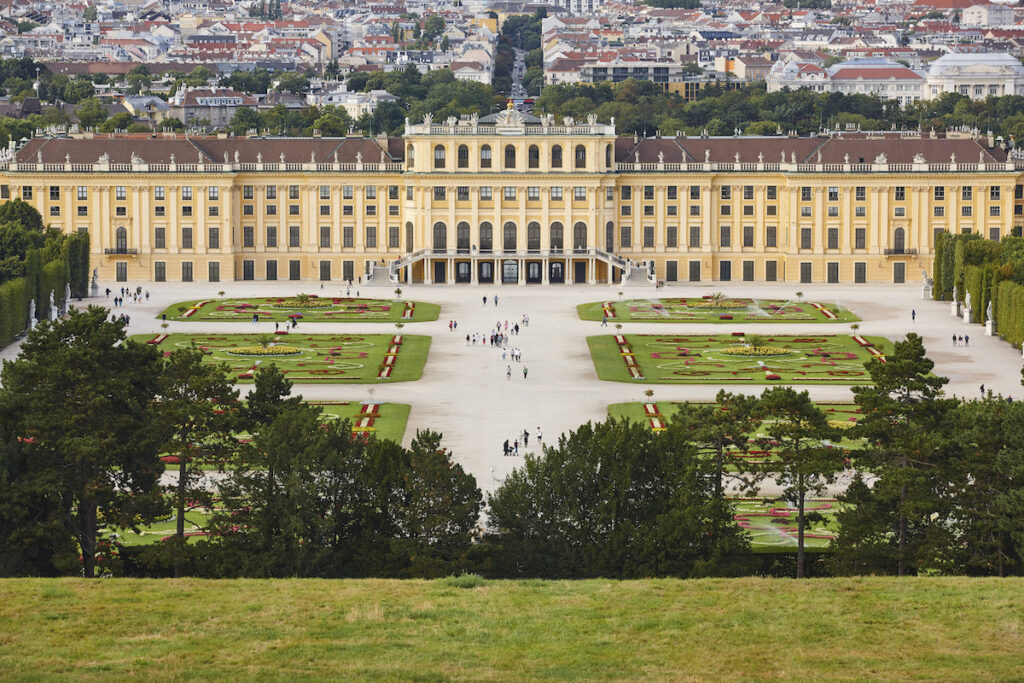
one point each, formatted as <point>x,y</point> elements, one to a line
<point>963,340</point>
<point>135,296</point>
<point>512,449</point>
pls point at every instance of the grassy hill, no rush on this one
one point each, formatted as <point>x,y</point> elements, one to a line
<point>871,628</point>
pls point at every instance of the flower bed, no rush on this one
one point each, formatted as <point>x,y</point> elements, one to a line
<point>705,309</point>
<point>754,351</point>
<point>276,350</point>
<point>714,359</point>
<point>311,357</point>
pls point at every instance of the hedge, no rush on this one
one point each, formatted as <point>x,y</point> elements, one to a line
<point>76,255</point>
<point>13,309</point>
<point>1009,312</point>
<point>974,277</point>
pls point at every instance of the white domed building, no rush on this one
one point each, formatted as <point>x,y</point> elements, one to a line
<point>976,75</point>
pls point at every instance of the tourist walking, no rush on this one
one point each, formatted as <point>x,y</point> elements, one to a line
<point>508,373</point>
<point>495,300</point>
<point>526,437</point>
<point>485,299</point>
<point>524,372</point>
<point>967,340</point>
<point>913,315</point>
<point>604,320</point>
<point>540,435</point>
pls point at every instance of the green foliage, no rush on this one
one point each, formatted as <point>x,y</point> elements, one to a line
<point>82,394</point>
<point>14,300</point>
<point>804,464</point>
<point>311,499</point>
<point>21,213</point>
<point>908,426</point>
<point>613,499</point>
<point>1009,312</point>
<point>91,113</point>
<point>117,122</point>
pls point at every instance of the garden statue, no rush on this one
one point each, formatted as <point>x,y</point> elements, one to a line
<point>67,297</point>
<point>94,287</point>
<point>53,307</point>
<point>988,311</point>
<point>32,314</point>
<point>967,308</point>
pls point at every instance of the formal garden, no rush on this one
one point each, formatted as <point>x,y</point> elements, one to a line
<point>771,524</point>
<point>306,308</point>
<point>308,358</point>
<point>716,308</point>
<point>740,357</point>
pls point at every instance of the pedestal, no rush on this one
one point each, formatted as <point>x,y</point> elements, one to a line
<point>926,292</point>
<point>988,328</point>
<point>94,290</point>
<point>967,315</point>
<point>954,308</point>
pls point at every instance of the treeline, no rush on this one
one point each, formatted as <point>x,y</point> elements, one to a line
<point>518,32</point>
<point>642,108</point>
<point>35,262</point>
<point>88,420</point>
<point>437,92</point>
<point>991,272</point>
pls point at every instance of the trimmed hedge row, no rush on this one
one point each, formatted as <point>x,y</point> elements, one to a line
<point>1009,312</point>
<point>13,309</point>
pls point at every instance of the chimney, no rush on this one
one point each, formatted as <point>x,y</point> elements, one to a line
<point>991,139</point>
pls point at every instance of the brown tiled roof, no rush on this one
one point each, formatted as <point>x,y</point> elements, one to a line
<point>186,150</point>
<point>862,149</point>
<point>119,149</point>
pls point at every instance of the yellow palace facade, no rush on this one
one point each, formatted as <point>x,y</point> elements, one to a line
<point>514,199</point>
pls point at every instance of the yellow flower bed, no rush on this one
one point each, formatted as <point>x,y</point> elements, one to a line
<point>718,305</point>
<point>841,424</point>
<point>279,350</point>
<point>754,351</point>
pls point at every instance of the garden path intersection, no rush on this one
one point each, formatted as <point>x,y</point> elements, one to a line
<point>464,392</point>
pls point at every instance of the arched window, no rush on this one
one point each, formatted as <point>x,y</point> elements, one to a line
<point>462,237</point>
<point>579,236</point>
<point>899,241</point>
<point>581,156</point>
<point>485,156</point>
<point>410,154</point>
<point>608,156</point>
<point>122,240</point>
<point>533,237</point>
<point>533,157</point>
<point>556,156</point>
<point>508,237</point>
<point>510,156</point>
<point>440,237</point>
<point>609,237</point>
<point>439,156</point>
<point>557,238</point>
<point>463,156</point>
<point>486,237</point>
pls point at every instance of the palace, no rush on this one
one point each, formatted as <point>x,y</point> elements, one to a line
<point>512,198</point>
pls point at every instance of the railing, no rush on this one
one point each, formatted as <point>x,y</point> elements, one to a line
<point>622,167</point>
<point>248,167</point>
<point>116,251</point>
<point>899,251</point>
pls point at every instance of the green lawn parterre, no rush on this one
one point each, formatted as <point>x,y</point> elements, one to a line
<point>657,415</point>
<point>704,310</point>
<point>318,357</point>
<point>771,524</point>
<point>869,628</point>
<point>318,310</point>
<point>698,358</point>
